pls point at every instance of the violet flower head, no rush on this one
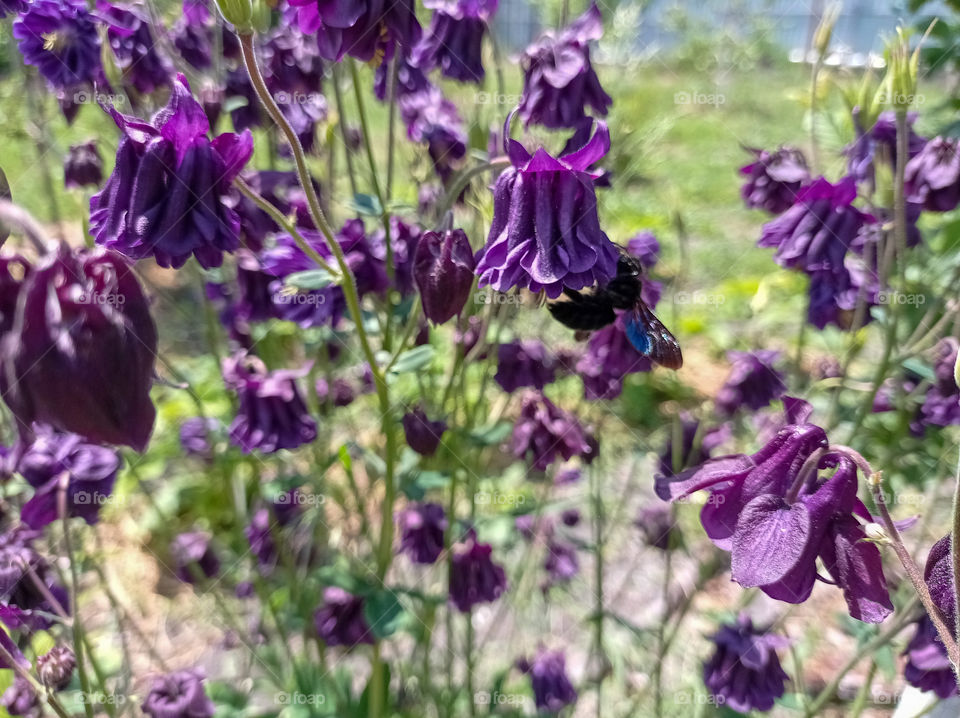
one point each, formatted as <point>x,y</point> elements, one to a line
<point>165,197</point>
<point>561,563</point>
<point>422,527</point>
<point>88,472</point>
<point>932,178</point>
<point>928,666</point>
<point>645,247</point>
<point>454,40</point>
<point>81,352</point>
<point>193,556</point>
<point>271,414</point>
<point>559,82</point>
<point>938,574</point>
<point>835,294</point>
<point>774,179</point>
<point>134,47</point>
<point>422,434</point>
<point>941,405</point>
<point>753,382</point>
<point>55,667</point>
<point>20,699</point>
<point>609,358</point>
<point>178,695</point>
<point>552,689</point>
<point>744,673</point>
<point>193,39</point>
<point>12,7</point>
<point>18,590</point>
<point>83,166</point>
<point>60,39</point>
<point>443,271</point>
<point>340,620</point>
<point>474,577</point>
<point>195,436</point>
<point>545,234</point>
<point>879,143</point>
<point>524,363</point>
<point>543,432</point>
<point>260,538</point>
<point>433,120</point>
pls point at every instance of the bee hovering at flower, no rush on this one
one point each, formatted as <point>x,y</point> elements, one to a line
<point>587,311</point>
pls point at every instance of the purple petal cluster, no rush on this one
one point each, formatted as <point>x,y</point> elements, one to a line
<point>55,667</point>
<point>474,577</point>
<point>60,39</point>
<point>195,436</point>
<point>552,689</point>
<point>83,166</point>
<point>433,120</point>
<point>454,40</point>
<point>774,179</point>
<point>525,363</point>
<point>543,432</point>
<point>879,143</point>
<point>753,382</point>
<point>932,177</point>
<point>928,666</point>
<point>422,434</point>
<point>193,556</point>
<point>941,404</point>
<point>422,528</point>
<point>178,695</point>
<point>340,620</point>
<point>22,602</point>
<point>134,47</point>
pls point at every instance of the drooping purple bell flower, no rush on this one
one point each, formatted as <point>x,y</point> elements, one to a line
<point>753,382</point>
<point>524,364</point>
<point>454,40</point>
<point>422,434</point>
<point>544,432</point>
<point>552,690</point>
<point>291,64</point>
<point>474,577</point>
<point>433,120</point>
<point>178,695</point>
<point>410,80</point>
<point>879,142</point>
<point>55,667</point>
<point>340,620</point>
<point>134,47</point>
<point>932,178</point>
<point>941,404</point>
<point>260,538</point>
<point>645,247</point>
<point>338,392</point>
<point>83,166</point>
<point>836,293</point>
<point>271,413</point>
<point>193,556</point>
<point>938,574</point>
<point>545,234</point>
<point>928,666</point>
<point>559,82</point>
<point>59,38</point>
<point>81,352</point>
<point>165,197</point>
<point>195,439</point>
<point>609,358</point>
<point>194,41</point>
<point>20,699</point>
<point>774,179</point>
<point>422,527</point>
<point>63,462</point>
<point>744,673</point>
<point>443,271</point>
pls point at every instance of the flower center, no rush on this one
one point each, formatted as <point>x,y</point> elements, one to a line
<point>54,41</point>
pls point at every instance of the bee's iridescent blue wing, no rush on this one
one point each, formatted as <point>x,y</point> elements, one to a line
<point>651,338</point>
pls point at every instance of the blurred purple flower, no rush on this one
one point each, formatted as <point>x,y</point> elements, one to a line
<point>134,47</point>
<point>645,247</point>
<point>774,179</point>
<point>570,517</point>
<point>689,454</point>
<point>609,358</point>
<point>543,432</point>
<point>433,120</point>
<point>552,690</point>
<point>561,563</point>
<point>193,556</point>
<point>443,271</point>
<point>404,241</point>
<point>474,577</point>
<point>260,538</point>
<point>880,141</point>
<point>938,574</point>
<point>422,527</point>
<point>422,434</point>
<point>178,695</point>
<point>524,363</point>
<point>20,595</point>
<point>836,292</point>
<point>20,699</point>
<point>454,40</point>
<point>195,435</point>
<point>340,620</point>
<point>933,177</point>
<point>338,392</point>
<point>55,667</point>
<point>941,405</point>
<point>83,166</point>
<point>753,382</point>
<point>60,39</point>
<point>928,667</point>
<point>12,7</point>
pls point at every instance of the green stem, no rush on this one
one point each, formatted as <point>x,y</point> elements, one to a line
<point>463,179</point>
<point>341,120</point>
<point>954,552</point>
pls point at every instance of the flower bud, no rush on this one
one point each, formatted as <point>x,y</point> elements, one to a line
<point>55,667</point>
<point>443,270</point>
<point>238,13</point>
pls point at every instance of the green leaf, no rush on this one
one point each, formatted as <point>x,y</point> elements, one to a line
<point>366,204</point>
<point>362,709</point>
<point>4,194</point>
<point>416,484</point>
<point>413,359</point>
<point>491,435</point>
<point>384,613</point>
<point>310,279</point>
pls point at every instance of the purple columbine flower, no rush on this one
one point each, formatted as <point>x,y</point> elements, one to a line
<point>81,352</point>
<point>744,673</point>
<point>879,142</point>
<point>134,47</point>
<point>57,462</point>
<point>474,577</point>
<point>454,40</point>
<point>938,574</point>
<point>18,590</point>
<point>753,382</point>
<point>166,194</point>
<point>260,538</point>
<point>422,434</point>
<point>559,82</point>
<point>443,271</point>
<point>83,166</point>
<point>271,415</point>
<point>816,232</point>
<point>340,620</point>
<point>410,80</point>
<point>524,363</point>
<point>837,292</point>
<point>55,667</point>
<point>645,247</point>
<point>12,7</point>
<point>561,563</point>
<point>59,38</point>
<point>544,431</point>
<point>611,356</point>
<point>422,527</point>
<point>545,234</point>
<point>433,120</point>
<point>941,405</point>
<point>195,437</point>
<point>367,30</point>
<point>928,666</point>
<point>774,179</point>
<point>933,177</point>
<point>193,556</point>
<point>178,695</point>
<point>552,690</point>
<point>20,699</point>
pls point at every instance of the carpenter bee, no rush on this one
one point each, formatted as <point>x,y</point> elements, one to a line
<point>594,309</point>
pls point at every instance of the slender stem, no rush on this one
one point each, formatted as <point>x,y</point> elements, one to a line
<point>463,179</point>
<point>49,697</point>
<point>600,655</point>
<point>341,120</point>
<point>392,122</point>
<point>814,76</point>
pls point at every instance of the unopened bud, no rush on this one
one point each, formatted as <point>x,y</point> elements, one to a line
<point>824,31</point>
<point>875,532</point>
<point>55,667</point>
<point>238,13</point>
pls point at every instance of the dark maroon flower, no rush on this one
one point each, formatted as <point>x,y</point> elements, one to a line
<point>271,415</point>
<point>552,690</point>
<point>134,47</point>
<point>753,382</point>
<point>443,270</point>
<point>178,695</point>
<point>193,556</point>
<point>928,666</point>
<point>195,436</point>
<point>570,517</point>
<point>422,434</point>
<point>165,195</point>
<point>474,577</point>
<point>933,176</point>
<point>454,40</point>
<point>55,667</point>
<point>63,462</point>
<point>20,699</point>
<point>559,82</point>
<point>545,234</point>
<point>744,673</point>
<point>83,166</point>
<point>544,431</point>
<point>81,352</point>
<point>422,527</point>
<point>524,364</point>
<point>59,38</point>
<point>340,620</point>
<point>774,179</point>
